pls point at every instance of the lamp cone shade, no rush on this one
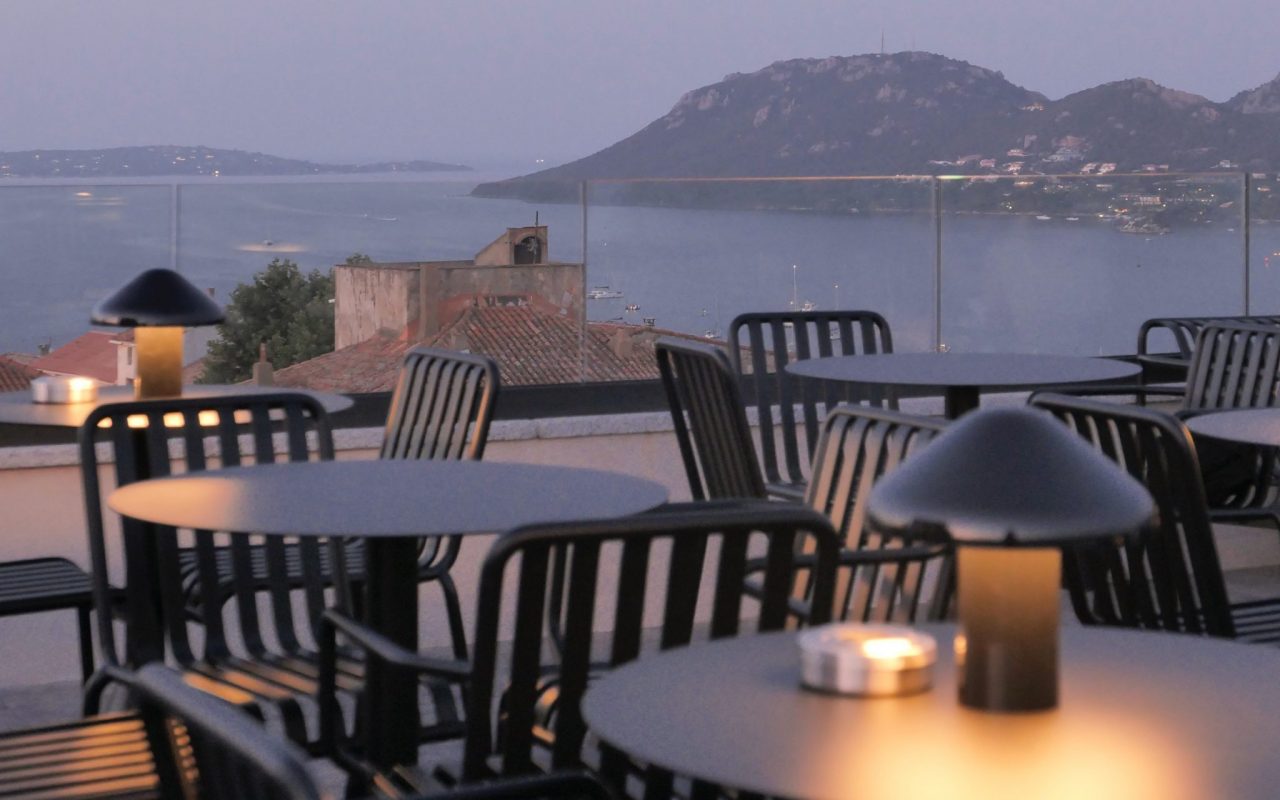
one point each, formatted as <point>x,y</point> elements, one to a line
<point>157,297</point>
<point>1010,477</point>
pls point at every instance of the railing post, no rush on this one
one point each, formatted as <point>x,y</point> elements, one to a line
<point>937,264</point>
<point>173,225</point>
<point>1248,213</point>
<point>582,315</point>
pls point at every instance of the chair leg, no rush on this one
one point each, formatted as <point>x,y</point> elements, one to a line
<point>93,689</point>
<point>86,643</point>
<point>453,609</point>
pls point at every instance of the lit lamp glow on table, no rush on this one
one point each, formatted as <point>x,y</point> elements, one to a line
<point>1009,487</point>
<point>159,303</point>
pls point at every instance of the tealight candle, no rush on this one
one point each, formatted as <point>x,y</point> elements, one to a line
<point>866,660</point>
<point>63,389</point>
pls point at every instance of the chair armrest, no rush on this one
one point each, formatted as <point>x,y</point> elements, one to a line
<point>847,559</point>
<point>388,652</point>
<point>556,784</point>
<point>1112,389</point>
<point>376,646</point>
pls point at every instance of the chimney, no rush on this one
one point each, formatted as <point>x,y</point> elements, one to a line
<point>263,374</point>
<point>622,344</point>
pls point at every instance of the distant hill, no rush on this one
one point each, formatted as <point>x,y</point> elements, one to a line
<point>920,113</point>
<point>1263,100</point>
<point>118,162</point>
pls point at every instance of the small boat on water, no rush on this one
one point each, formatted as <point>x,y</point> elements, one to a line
<point>603,293</point>
<point>632,307</point>
<point>1043,217</point>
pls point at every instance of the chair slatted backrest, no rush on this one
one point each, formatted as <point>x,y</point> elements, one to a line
<point>859,445</point>
<point>761,344</point>
<point>205,748</point>
<point>1234,366</point>
<point>615,589</point>
<point>709,419</point>
<point>1183,332</point>
<point>226,431</point>
<point>1170,577</point>
<point>442,406</point>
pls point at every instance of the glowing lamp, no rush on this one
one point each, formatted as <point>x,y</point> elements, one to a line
<point>1009,487</point>
<point>159,303</point>
<point>866,660</point>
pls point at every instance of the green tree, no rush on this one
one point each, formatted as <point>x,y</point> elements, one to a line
<point>291,312</point>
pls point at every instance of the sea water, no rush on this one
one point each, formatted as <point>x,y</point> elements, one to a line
<point>1004,282</point>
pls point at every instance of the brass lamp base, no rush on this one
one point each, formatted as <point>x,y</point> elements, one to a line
<point>159,353</point>
<point>1007,646</point>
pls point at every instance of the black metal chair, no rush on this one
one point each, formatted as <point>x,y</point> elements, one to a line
<point>1182,332</point>
<point>610,571</point>
<point>761,344</point>
<point>881,578</point>
<point>1170,578</point>
<point>182,743</point>
<point>710,422</point>
<point>442,407</point>
<point>35,585</point>
<point>255,649</point>
<point>179,742</point>
<point>1233,365</point>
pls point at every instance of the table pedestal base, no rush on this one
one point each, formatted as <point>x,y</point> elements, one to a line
<point>391,721</point>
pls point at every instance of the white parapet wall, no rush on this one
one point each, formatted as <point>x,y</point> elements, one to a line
<point>44,516</point>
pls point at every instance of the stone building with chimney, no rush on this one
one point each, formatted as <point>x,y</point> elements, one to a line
<point>511,303</point>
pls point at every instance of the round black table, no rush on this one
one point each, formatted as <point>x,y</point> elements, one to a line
<point>1142,715</point>
<point>390,503</point>
<point>962,376</point>
<point>17,408</point>
<point>1259,426</point>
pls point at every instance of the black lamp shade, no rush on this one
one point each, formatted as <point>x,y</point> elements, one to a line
<point>159,297</point>
<point>1008,477</point>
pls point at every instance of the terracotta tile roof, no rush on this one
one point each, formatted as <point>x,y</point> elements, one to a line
<point>91,354</point>
<point>193,372</point>
<point>530,346</point>
<point>15,376</point>
<point>370,366</point>
<point>21,358</point>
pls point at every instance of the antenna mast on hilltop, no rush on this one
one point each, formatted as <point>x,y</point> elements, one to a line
<point>881,42</point>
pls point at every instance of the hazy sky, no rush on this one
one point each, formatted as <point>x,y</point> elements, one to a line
<point>494,83</point>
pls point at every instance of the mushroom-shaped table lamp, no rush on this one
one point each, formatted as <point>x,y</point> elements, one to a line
<point>159,303</point>
<point>1009,487</point>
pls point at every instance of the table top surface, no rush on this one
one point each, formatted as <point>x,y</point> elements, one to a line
<point>1142,715</point>
<point>385,498</point>
<point>17,408</point>
<point>1247,425</point>
<point>978,370</point>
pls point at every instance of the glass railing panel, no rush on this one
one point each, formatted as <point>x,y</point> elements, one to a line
<point>690,255</point>
<point>68,246</point>
<point>1075,264</point>
<point>1264,243</point>
<point>230,231</point>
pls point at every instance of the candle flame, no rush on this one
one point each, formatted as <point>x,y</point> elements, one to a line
<point>889,647</point>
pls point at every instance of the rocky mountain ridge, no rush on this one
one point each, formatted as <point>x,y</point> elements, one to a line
<point>921,113</point>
